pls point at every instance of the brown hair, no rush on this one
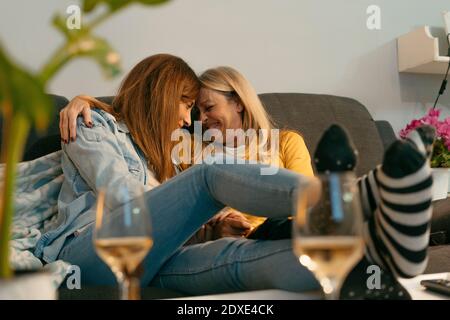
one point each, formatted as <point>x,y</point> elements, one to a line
<point>148,102</point>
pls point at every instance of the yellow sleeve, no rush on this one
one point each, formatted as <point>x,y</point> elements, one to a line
<point>294,154</point>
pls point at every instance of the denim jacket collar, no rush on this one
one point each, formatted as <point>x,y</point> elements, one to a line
<point>121,126</point>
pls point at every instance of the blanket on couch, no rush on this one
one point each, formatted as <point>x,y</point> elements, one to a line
<point>38,183</point>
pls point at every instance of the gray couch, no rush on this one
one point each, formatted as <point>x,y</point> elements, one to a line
<point>311,115</point>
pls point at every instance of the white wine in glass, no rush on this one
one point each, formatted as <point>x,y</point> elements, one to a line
<point>327,237</point>
<point>122,239</point>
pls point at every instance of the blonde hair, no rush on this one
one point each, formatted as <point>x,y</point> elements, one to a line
<point>233,85</point>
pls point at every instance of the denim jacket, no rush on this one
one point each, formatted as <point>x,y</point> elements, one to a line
<point>103,156</point>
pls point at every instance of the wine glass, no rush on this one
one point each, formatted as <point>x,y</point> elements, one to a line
<point>327,236</point>
<point>122,237</point>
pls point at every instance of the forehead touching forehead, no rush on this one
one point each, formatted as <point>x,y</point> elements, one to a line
<point>203,97</point>
<point>188,100</point>
<point>208,96</point>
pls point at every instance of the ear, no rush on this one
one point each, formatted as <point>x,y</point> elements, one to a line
<point>239,107</point>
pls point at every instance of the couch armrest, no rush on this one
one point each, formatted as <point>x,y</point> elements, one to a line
<point>386,132</point>
<point>438,259</point>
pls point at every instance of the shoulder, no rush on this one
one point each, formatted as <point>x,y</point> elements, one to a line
<point>103,124</point>
<point>294,153</point>
<point>291,139</point>
<point>99,117</point>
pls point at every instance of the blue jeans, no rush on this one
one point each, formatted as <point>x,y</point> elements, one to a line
<point>235,264</point>
<point>180,206</point>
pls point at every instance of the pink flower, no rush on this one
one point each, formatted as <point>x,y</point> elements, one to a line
<point>434,113</point>
<point>410,127</point>
<point>432,119</point>
<point>443,130</point>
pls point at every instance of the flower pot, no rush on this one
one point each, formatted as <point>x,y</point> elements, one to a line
<point>28,286</point>
<point>441,183</point>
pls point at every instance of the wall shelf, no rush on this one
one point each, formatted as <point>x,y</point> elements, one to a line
<point>418,52</point>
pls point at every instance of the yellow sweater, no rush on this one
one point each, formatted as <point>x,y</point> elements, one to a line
<point>293,155</point>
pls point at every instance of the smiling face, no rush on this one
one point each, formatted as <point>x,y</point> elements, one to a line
<point>218,111</point>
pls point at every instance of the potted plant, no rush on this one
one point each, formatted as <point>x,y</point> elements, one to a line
<point>440,159</point>
<point>24,103</point>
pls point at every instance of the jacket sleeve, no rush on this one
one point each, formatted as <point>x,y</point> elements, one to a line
<point>100,162</point>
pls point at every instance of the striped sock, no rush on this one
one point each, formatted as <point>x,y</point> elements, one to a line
<point>396,200</point>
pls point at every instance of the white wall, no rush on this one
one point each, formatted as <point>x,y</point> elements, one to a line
<point>310,46</point>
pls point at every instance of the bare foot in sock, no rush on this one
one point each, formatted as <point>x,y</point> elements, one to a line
<point>396,198</point>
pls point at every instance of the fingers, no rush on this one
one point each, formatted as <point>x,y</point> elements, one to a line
<point>68,118</point>
<point>235,215</point>
<point>63,127</point>
<point>231,228</point>
<point>79,107</point>
<point>86,113</point>
<point>234,232</point>
<point>239,224</point>
<point>72,123</point>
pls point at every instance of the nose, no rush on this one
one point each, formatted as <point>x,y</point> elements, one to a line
<point>187,119</point>
<point>203,117</point>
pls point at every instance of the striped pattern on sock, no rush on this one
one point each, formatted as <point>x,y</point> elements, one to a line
<point>397,214</point>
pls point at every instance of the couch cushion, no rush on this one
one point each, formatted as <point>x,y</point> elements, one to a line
<point>52,130</point>
<point>40,145</point>
<point>312,114</point>
<point>386,133</point>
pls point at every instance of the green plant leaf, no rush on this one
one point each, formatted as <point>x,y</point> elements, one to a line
<point>89,5</point>
<point>84,45</point>
<point>22,101</point>
<point>22,92</point>
<point>441,155</point>
<point>60,23</point>
<point>100,50</point>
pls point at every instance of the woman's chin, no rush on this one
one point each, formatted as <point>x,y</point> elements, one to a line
<point>216,126</point>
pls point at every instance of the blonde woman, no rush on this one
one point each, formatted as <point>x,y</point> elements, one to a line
<point>228,102</point>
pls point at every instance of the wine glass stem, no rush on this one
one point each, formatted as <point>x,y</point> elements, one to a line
<point>333,295</point>
<point>331,288</point>
<point>130,289</point>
